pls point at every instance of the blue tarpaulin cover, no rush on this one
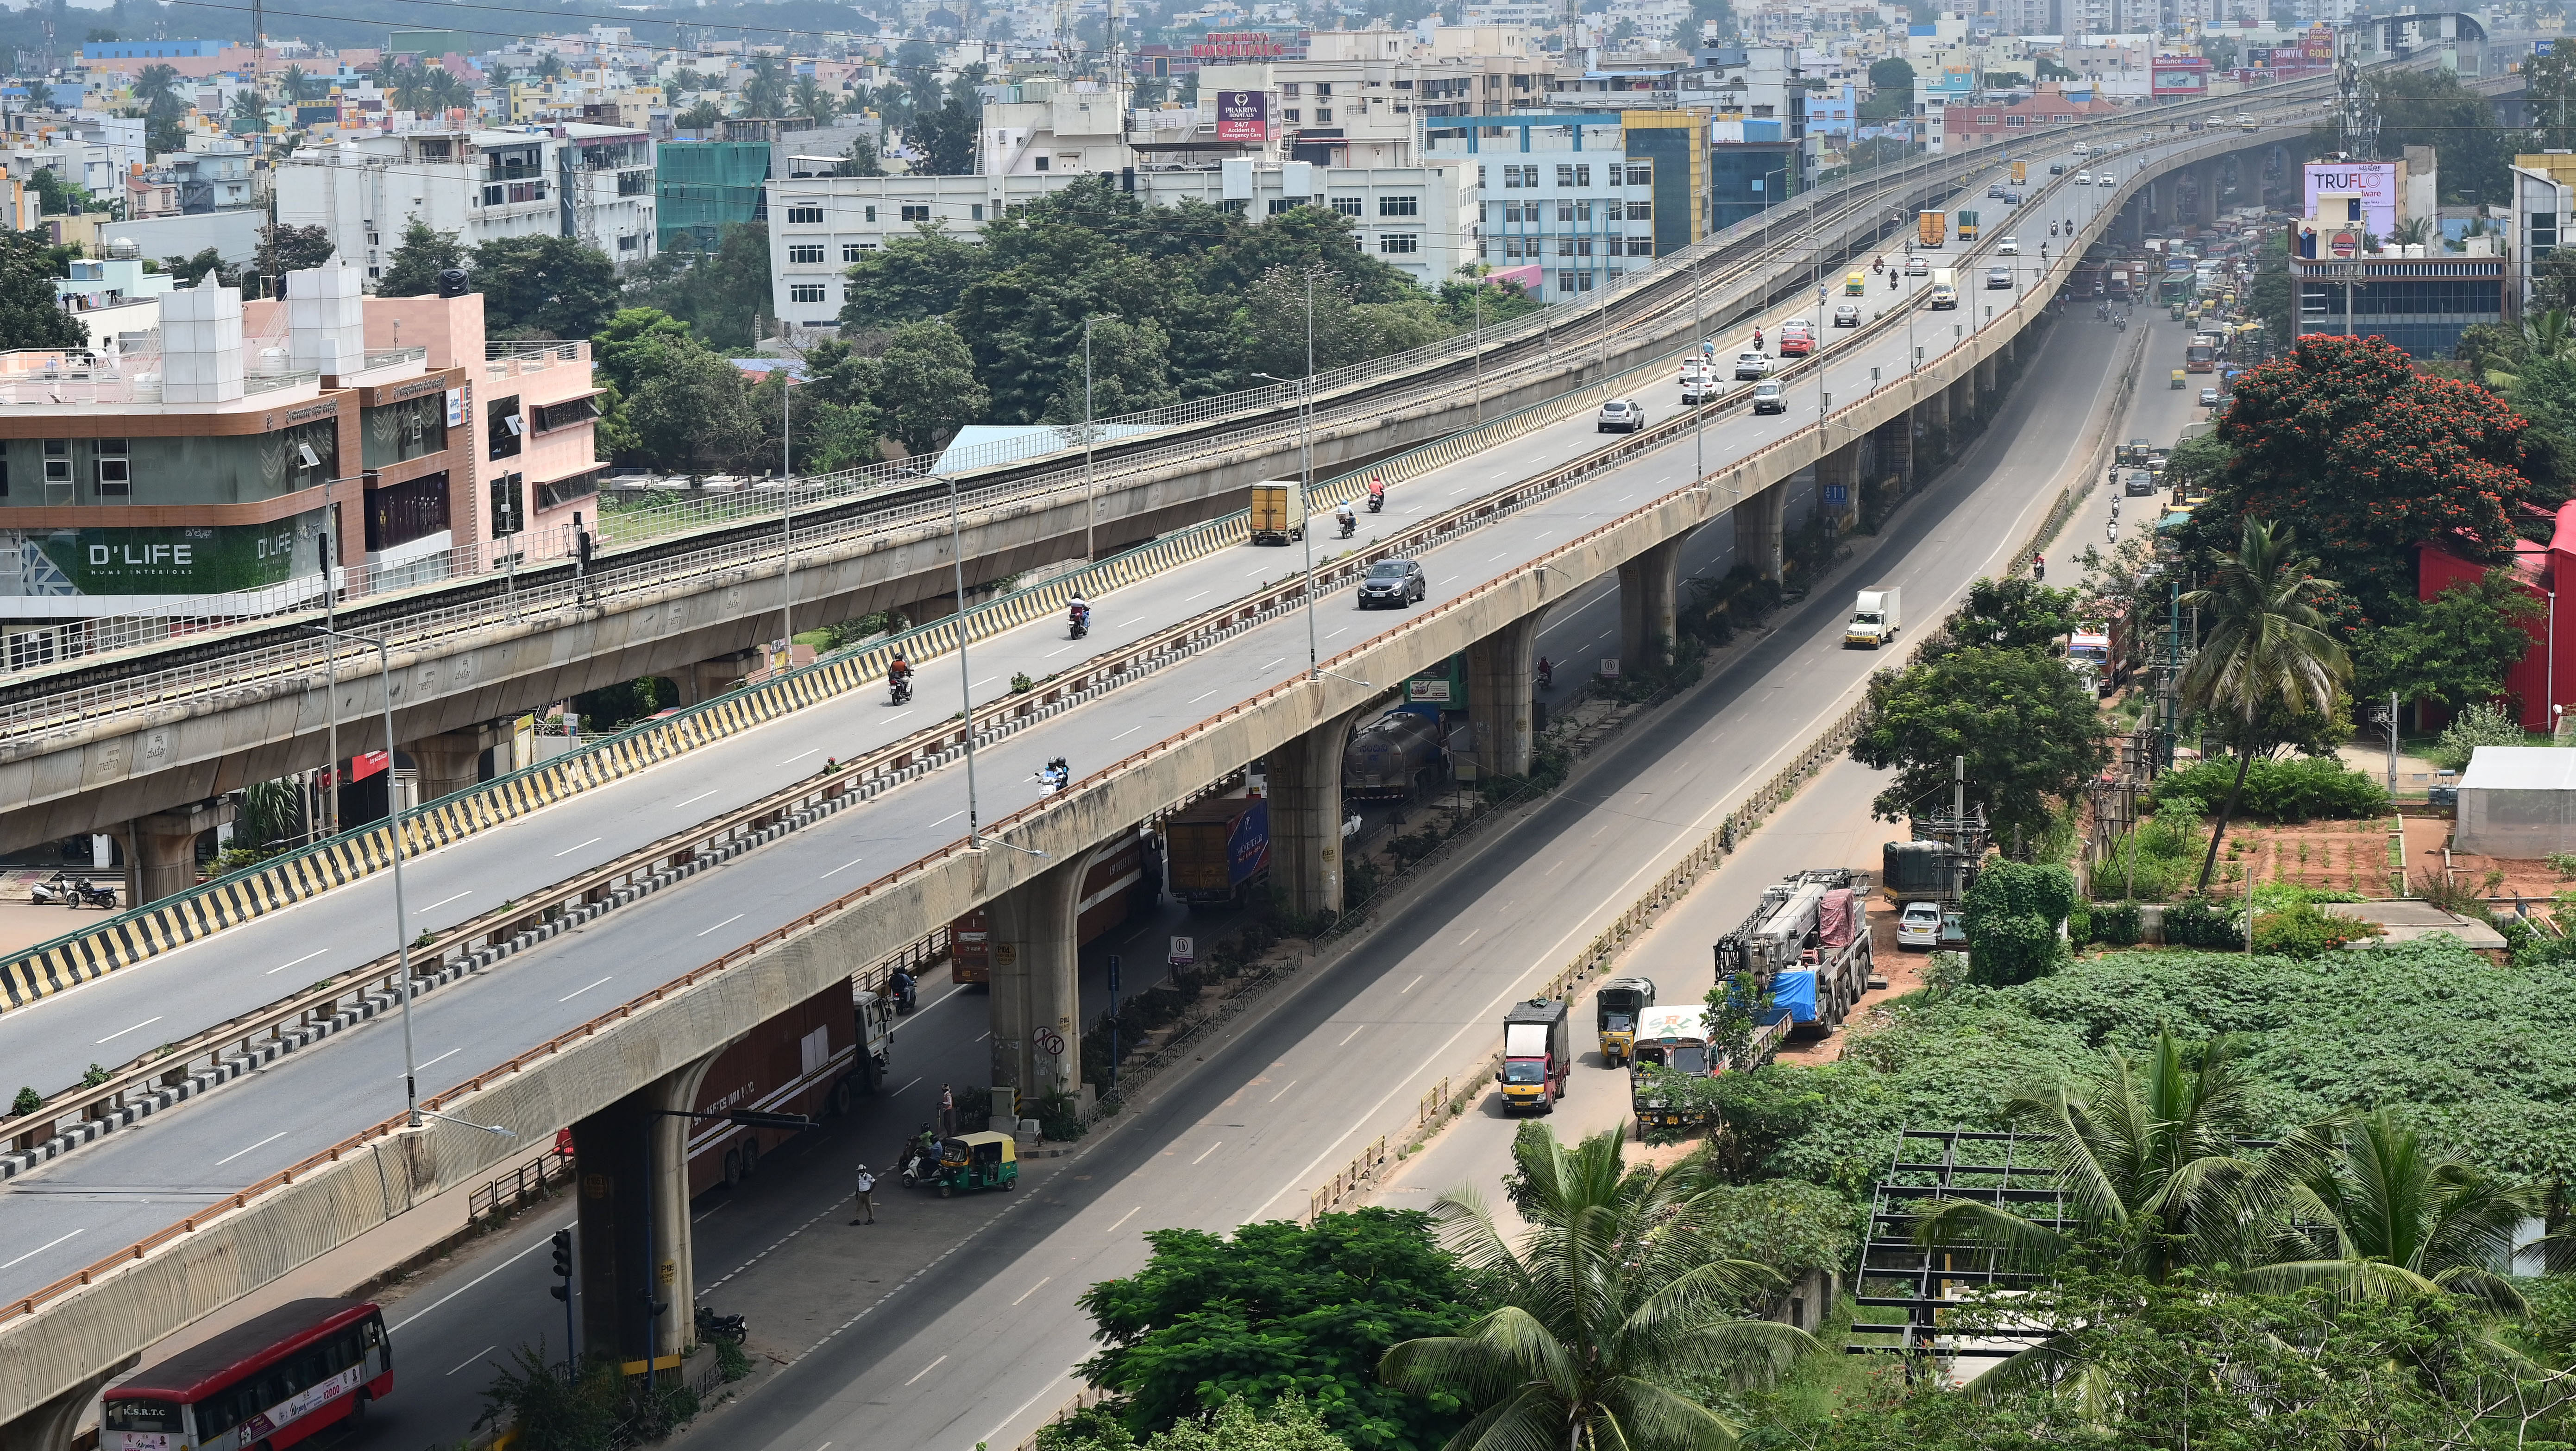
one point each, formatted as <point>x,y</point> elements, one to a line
<point>1793,993</point>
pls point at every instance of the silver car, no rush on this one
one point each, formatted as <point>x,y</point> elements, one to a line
<point>1619,415</point>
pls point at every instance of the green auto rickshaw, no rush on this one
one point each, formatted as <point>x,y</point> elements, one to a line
<point>978,1161</point>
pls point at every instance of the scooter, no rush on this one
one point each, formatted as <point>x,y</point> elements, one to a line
<point>1350,526</point>
<point>1081,624</point>
<point>1377,501</point>
<point>1055,775</point>
<point>918,1159</point>
<point>899,690</point>
<point>65,890</point>
<point>905,992</point>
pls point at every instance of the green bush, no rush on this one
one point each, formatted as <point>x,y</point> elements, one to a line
<point>2476,725</point>
<point>2304,929</point>
<point>2196,922</point>
<point>2303,788</point>
<point>2158,860</point>
<point>2120,924</point>
<point>1791,1226</point>
<point>2012,915</point>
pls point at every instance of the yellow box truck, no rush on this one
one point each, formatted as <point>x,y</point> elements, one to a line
<point>1932,228</point>
<point>1278,512</point>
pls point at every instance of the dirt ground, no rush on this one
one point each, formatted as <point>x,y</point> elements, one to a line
<point>2342,856</point>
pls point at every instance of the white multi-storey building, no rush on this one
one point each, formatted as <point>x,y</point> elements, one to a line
<point>569,180</point>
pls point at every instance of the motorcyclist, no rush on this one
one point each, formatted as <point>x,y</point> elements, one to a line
<point>2039,566</point>
<point>1343,517</point>
<point>1079,612</point>
<point>1757,339</point>
<point>899,678</point>
<point>1546,673</point>
<point>1377,493</point>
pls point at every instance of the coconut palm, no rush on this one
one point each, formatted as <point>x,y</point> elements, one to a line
<point>2150,1165</point>
<point>1610,1305</point>
<point>810,99</point>
<point>2385,1219</point>
<point>156,86</point>
<point>2266,649</point>
<point>249,109</point>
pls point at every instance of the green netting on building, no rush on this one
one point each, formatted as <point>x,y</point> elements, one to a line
<point>704,187</point>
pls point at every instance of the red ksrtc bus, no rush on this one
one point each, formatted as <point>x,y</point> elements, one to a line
<point>270,1382</point>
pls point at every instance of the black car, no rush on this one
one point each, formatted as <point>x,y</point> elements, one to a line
<point>2140,486</point>
<point>1397,582</point>
<point>2057,168</point>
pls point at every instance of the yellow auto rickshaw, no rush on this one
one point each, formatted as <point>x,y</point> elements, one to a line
<point>978,1161</point>
<point>1855,284</point>
<point>2177,377</point>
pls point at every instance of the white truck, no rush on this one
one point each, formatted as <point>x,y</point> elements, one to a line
<point>1876,616</point>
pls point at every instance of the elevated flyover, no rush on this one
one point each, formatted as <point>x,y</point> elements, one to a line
<point>1497,564</point>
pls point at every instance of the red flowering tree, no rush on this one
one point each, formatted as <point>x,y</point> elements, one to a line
<point>2366,457</point>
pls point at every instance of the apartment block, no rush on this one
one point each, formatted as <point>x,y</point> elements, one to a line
<point>1568,202</point>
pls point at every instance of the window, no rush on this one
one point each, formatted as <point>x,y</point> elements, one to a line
<point>551,416</point>
<point>503,426</point>
<point>114,473</point>
<point>1292,89</point>
<point>1042,163</point>
<point>2016,121</point>
<point>806,254</point>
<point>805,216</point>
<point>1641,211</point>
<point>1323,115</point>
<point>1565,173</point>
<point>400,513</point>
<point>58,471</point>
<point>1280,204</point>
<point>508,509</point>
<point>1399,206</point>
<point>1565,211</point>
<point>1583,282</point>
<point>806,292</point>
<point>408,429</point>
<point>849,251</point>
<point>1583,211</point>
<point>1511,249</point>
<point>1323,88</point>
<point>872,214</point>
<point>2543,232</point>
<point>1399,242</point>
<point>975,211</point>
<point>1349,206</point>
<point>1292,115</point>
<point>916,212</point>
<point>1641,173</point>
<point>1641,246</point>
<point>1565,246</point>
<point>1565,281</point>
<point>1583,246</point>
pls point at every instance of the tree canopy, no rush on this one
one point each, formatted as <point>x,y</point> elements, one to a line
<point>2029,726</point>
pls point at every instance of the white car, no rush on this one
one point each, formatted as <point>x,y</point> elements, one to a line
<point>1918,266</point>
<point>1619,414</point>
<point>2083,178</point>
<point>1767,399</point>
<point>1751,367</point>
<point>1847,315</point>
<point>2008,247</point>
<point>2106,179</point>
<point>1701,388</point>
<point>1920,926</point>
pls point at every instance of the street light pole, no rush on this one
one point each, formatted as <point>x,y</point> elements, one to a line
<point>1090,547</point>
<point>402,919</point>
<point>965,677</point>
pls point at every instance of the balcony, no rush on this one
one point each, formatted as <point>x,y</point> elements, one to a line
<point>518,359</point>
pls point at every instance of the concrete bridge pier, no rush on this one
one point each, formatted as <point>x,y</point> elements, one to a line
<point>1037,984</point>
<point>1761,525</point>
<point>161,849</point>
<point>2210,178</point>
<point>1306,816</point>
<point>1989,377</point>
<point>49,1426</point>
<point>1896,449</point>
<point>700,681</point>
<point>447,763</point>
<point>1843,469</point>
<point>1501,684</point>
<point>1649,607</point>
<point>633,1251</point>
<point>1934,411</point>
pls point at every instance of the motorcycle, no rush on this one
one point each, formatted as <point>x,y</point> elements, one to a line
<point>1055,775</point>
<point>918,1160</point>
<point>1081,619</point>
<point>2038,566</point>
<point>62,889</point>
<point>1546,674</point>
<point>899,689</point>
<point>712,1327</point>
<point>906,992</point>
<point>1350,526</point>
<point>1377,501</point>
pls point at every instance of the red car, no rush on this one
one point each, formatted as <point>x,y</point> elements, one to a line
<point>1797,339</point>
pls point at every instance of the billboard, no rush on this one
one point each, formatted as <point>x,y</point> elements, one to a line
<point>181,560</point>
<point>2377,181</point>
<point>1243,115</point>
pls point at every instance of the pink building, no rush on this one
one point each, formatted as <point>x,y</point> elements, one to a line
<point>2547,675</point>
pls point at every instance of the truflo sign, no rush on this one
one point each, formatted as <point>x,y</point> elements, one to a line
<point>183,560</point>
<point>2375,180</point>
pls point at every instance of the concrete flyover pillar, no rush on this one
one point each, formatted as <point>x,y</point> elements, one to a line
<point>1896,448</point>
<point>1989,376</point>
<point>1935,410</point>
<point>1306,817</point>
<point>1649,584</point>
<point>2210,179</point>
<point>1037,987</point>
<point>1501,684</point>
<point>446,764</point>
<point>634,1255</point>
<point>700,681</point>
<point>1760,522</point>
<point>1963,400</point>
<point>161,849</point>
<point>1840,470</point>
<point>48,1426</point>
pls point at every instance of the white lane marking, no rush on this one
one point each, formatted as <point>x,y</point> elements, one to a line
<point>576,846</point>
<point>1202,594</point>
<point>1283,1090</point>
<point>729,921</point>
<point>121,1032</point>
<point>987,680</point>
<point>907,1088</point>
<point>1033,1289</point>
<point>577,992</point>
<point>471,1359</point>
<point>951,816</point>
<point>441,902</point>
<point>1258,668</point>
<point>308,957</point>
<point>1210,1149</point>
<point>1122,1219</point>
<point>237,1153</point>
<point>1353,1033</point>
<point>1408,987</point>
<point>1131,730</point>
<point>927,1369</point>
<point>1060,649</point>
<point>40,1249</point>
<point>694,800</point>
<point>898,715</point>
<point>470,1284</point>
<point>441,1058</point>
<point>1202,695</point>
<point>801,755</point>
<point>843,867</point>
<point>1470,937</point>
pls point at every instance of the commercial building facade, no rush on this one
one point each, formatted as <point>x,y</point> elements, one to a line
<point>1582,197</point>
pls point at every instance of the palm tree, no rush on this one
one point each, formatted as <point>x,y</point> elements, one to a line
<point>812,100</point>
<point>2392,1221</point>
<point>156,86</point>
<point>765,94</point>
<point>250,109</point>
<point>1610,1305</point>
<point>297,83</point>
<point>2266,648</point>
<point>2148,1160</point>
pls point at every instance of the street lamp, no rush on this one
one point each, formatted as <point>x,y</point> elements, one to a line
<point>327,543</point>
<point>1090,548</point>
<point>402,919</point>
<point>965,676</point>
<point>1306,473</point>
